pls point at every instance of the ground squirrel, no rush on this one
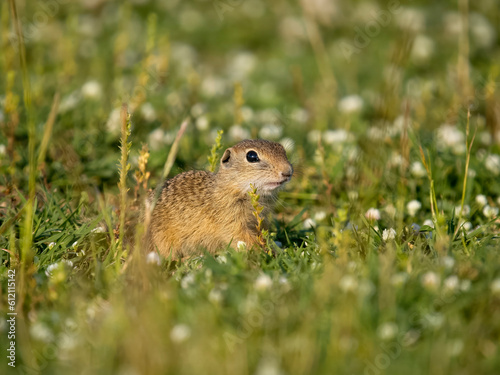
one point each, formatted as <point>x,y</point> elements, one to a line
<point>202,210</point>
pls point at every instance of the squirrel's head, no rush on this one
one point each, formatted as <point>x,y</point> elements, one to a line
<point>262,163</point>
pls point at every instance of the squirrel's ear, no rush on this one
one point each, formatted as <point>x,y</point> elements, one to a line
<point>224,161</point>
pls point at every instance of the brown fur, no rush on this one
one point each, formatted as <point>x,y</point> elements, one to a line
<point>202,210</point>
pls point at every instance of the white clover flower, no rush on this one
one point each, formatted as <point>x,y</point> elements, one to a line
<point>187,281</point>
<point>337,136</point>
<point>465,211</point>
<point>271,131</point>
<point>148,112</point>
<point>451,283</point>
<point>448,262</point>
<point>481,200</point>
<point>410,19</point>
<point>387,331</point>
<point>350,104</point>
<point>390,210</point>
<point>39,331</point>
<point>465,285</point>
<point>153,258</point>
<point>51,245</point>
<point>490,212</point>
<point>389,234</point>
<point>213,86</point>
<point>422,49</point>
<point>156,139</point>
<point>413,207</point>
<point>3,149</point>
<point>492,163</point>
<point>180,333</point>
<point>495,286</point>
<point>215,296</point>
<point>49,271</point>
<point>198,109</point>
<point>92,90</point>
<point>372,214</point>
<point>399,279</point>
<point>313,136</point>
<point>429,223</point>
<point>263,282</point>
<point>113,125</point>
<point>221,259</point>
<point>238,133</point>
<point>455,347</point>
<point>320,216</point>
<point>483,32</point>
<point>247,113</point>
<point>348,283</point>
<point>300,115</point>
<point>450,136</point>
<point>241,245</point>
<point>467,226</point>
<point>309,223</point>
<point>417,169</point>
<point>453,23</point>
<point>202,123</point>
<point>242,64</point>
<point>430,280</point>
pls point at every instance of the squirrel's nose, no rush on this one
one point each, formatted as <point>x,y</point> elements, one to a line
<point>288,173</point>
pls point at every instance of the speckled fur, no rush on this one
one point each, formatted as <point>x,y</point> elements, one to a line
<point>202,210</point>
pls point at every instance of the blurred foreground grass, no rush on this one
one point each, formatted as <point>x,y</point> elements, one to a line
<point>388,262</point>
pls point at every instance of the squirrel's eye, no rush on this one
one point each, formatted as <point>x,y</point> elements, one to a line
<point>252,157</point>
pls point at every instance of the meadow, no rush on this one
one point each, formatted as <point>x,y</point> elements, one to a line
<point>384,252</point>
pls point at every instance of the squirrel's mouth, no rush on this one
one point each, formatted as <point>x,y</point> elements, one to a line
<point>274,185</point>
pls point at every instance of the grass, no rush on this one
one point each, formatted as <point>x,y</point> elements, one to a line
<point>383,256</point>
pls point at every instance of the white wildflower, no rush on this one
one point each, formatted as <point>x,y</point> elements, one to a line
<point>148,112</point>
<point>221,259</point>
<point>467,226</point>
<point>3,149</point>
<point>314,136</point>
<point>51,245</point>
<point>241,65</point>
<point>431,280</point>
<point>241,246</point>
<point>156,139</point>
<point>271,131</point>
<point>465,285</point>
<point>70,102</point>
<point>238,133</point>
<point>348,283</point>
<point>465,211</point>
<point>263,282</point>
<point>495,286</point>
<point>320,216</point>
<point>389,234</point>
<point>39,331</point>
<point>350,104</point>
<point>390,209</point>
<point>215,296</point>
<point>288,144</point>
<point>387,331</point>
<point>448,262</point>
<point>429,223</point>
<point>187,281</point>
<point>481,200</point>
<point>153,258</point>
<point>113,125</point>
<point>213,86</point>
<point>411,19</point>
<point>247,113</point>
<point>422,50</point>
<point>309,223</point>
<point>202,123</point>
<point>483,32</point>
<point>372,214</point>
<point>300,115</point>
<point>337,136</point>
<point>490,212</point>
<point>180,333</point>
<point>451,283</point>
<point>413,206</point>
<point>399,279</point>
<point>450,136</point>
<point>492,163</point>
<point>198,109</point>
<point>92,90</point>
<point>417,169</point>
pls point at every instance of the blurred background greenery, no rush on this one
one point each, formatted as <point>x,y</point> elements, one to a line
<point>386,266</point>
